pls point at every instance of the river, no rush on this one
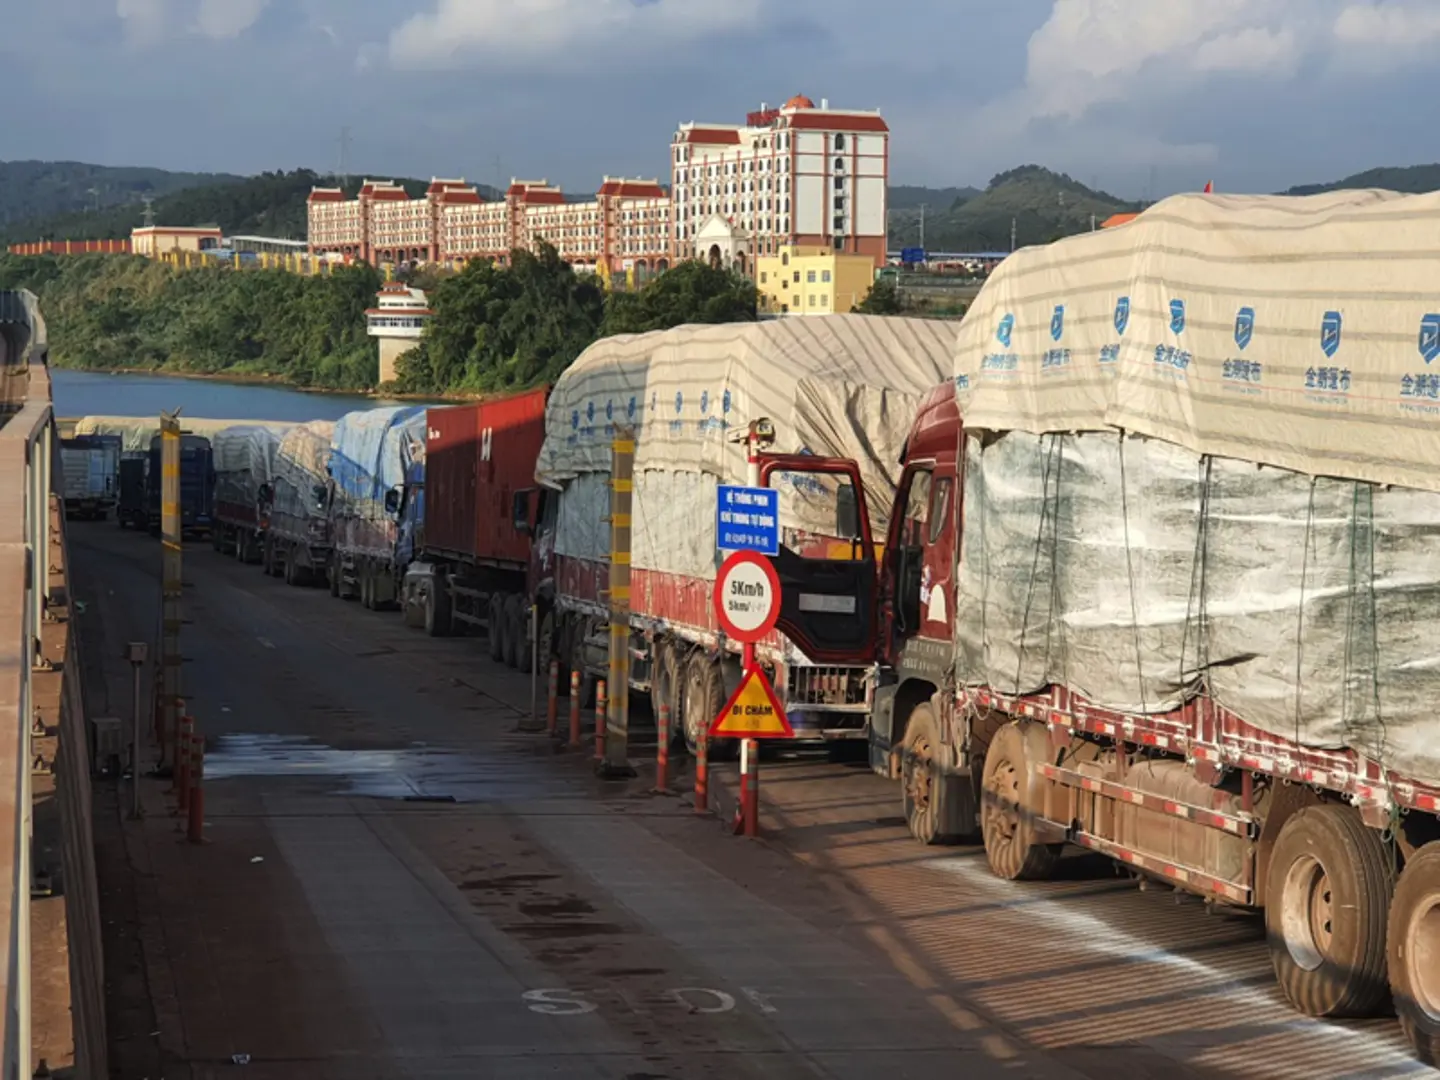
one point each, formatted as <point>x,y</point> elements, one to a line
<point>98,393</point>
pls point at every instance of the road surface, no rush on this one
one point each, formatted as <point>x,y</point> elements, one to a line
<point>397,883</point>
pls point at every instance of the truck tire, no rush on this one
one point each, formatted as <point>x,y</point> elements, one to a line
<point>439,621</point>
<point>1414,952</point>
<point>1328,892</point>
<point>1012,847</point>
<point>514,635</point>
<point>669,674</point>
<point>495,628</point>
<point>704,698</point>
<point>921,782</point>
<point>292,571</point>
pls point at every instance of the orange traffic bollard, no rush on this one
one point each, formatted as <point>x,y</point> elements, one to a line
<point>575,709</point>
<point>702,778</point>
<point>662,750</point>
<point>600,720</point>
<point>197,789</point>
<point>552,697</point>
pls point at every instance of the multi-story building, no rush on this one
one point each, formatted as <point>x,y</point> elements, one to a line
<point>796,176</point>
<point>799,175</point>
<point>626,225</point>
<point>813,281</point>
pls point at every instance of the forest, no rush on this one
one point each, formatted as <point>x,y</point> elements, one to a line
<point>494,328</point>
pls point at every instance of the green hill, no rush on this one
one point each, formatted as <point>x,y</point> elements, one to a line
<point>908,197</point>
<point>32,190</point>
<point>271,204</point>
<point>1407,179</point>
<point>1042,205</point>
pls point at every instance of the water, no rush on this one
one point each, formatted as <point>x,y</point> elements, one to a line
<point>96,393</point>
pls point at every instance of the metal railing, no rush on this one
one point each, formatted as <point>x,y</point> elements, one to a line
<point>27,448</point>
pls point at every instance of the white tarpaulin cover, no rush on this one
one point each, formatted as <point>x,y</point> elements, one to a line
<point>244,457</point>
<point>836,385</point>
<point>300,462</point>
<point>1141,571</point>
<point>137,431</point>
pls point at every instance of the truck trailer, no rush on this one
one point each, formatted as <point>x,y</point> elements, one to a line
<point>372,453</point>
<point>471,563</point>
<point>295,506</point>
<point>245,457</point>
<point>197,485</point>
<point>701,402</point>
<point>1161,577</point>
<point>90,475</point>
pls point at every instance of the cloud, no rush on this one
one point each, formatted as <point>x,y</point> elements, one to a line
<point>1390,25</point>
<point>145,21</point>
<point>572,32</point>
<point>227,18</point>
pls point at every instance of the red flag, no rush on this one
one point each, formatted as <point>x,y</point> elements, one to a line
<point>1209,187</point>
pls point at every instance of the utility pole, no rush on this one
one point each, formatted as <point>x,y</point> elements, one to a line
<point>923,208</point>
<point>171,586</point>
<point>1012,235</point>
<point>149,201</point>
<point>499,177</point>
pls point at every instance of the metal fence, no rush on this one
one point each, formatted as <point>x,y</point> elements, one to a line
<point>27,442</point>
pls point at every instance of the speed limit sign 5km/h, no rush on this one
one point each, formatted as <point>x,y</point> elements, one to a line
<point>747,597</point>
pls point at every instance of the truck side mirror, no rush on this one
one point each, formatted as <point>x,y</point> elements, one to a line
<point>392,501</point>
<point>320,496</point>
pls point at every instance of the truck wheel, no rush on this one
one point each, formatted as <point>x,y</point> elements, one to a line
<point>1414,952</point>
<point>704,698</point>
<point>1011,845</point>
<point>1328,896</point>
<point>920,779</point>
<point>439,621</point>
<point>495,627</point>
<point>666,692</point>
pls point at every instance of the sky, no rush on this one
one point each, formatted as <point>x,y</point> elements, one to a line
<point>1140,97</point>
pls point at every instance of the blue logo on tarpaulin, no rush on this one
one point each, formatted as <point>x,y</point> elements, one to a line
<point>1005,330</point>
<point>1177,316</point>
<point>630,408</point>
<point>654,400</point>
<point>609,410</point>
<point>1057,322</point>
<point>1122,315</point>
<point>679,400</point>
<point>1244,327</point>
<point>1330,333</point>
<point>1430,337</point>
<point>704,401</point>
<point>574,418</point>
<point>590,412</point>
<point>725,402</point>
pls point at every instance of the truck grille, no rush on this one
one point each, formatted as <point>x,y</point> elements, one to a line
<point>825,687</point>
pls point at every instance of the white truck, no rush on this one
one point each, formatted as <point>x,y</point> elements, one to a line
<point>91,475</point>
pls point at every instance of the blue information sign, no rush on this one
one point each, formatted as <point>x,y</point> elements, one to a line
<point>748,519</point>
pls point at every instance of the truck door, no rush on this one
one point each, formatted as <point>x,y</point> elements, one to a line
<point>919,596</point>
<point>827,605</point>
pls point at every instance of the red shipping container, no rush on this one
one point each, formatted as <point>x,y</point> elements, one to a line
<point>476,458</point>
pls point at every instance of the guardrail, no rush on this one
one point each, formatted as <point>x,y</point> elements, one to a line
<point>27,447</point>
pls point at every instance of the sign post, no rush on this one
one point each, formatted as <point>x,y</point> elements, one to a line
<point>747,604</point>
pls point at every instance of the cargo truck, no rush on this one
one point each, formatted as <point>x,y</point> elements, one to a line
<point>90,467</point>
<point>295,506</point>
<point>130,507</point>
<point>371,454</point>
<point>701,402</point>
<point>197,485</point>
<point>1166,589</point>
<point>245,457</point>
<point>470,563</point>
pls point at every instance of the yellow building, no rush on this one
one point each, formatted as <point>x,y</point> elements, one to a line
<point>812,281</point>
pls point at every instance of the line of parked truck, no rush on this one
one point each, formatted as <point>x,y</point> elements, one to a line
<point>1050,568</point>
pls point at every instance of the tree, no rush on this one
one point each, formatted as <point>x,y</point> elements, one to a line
<point>693,292</point>
<point>882,299</point>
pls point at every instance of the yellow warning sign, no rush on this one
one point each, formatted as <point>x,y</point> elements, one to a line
<point>753,712</point>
